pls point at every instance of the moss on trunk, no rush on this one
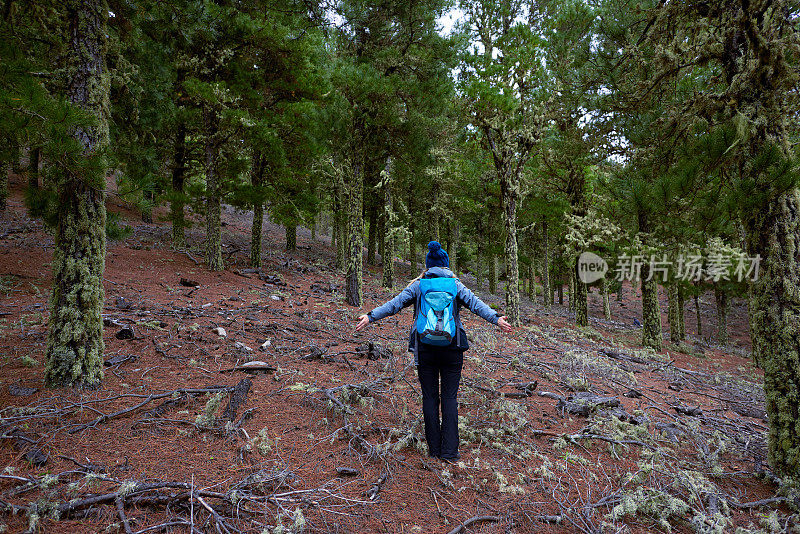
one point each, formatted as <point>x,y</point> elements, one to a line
<point>774,234</point>
<point>510,195</point>
<point>355,238</point>
<point>75,337</point>
<point>651,312</point>
<point>581,299</point>
<point>672,313</point>
<point>3,185</point>
<point>389,219</point>
<point>493,275</point>
<point>547,293</point>
<point>291,236</point>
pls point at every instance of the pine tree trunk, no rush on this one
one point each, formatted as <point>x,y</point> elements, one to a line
<point>606,304</point>
<point>213,200</point>
<point>672,313</point>
<point>372,236</point>
<point>651,312</point>
<point>454,232</point>
<point>148,199</point>
<point>547,293</point>
<point>571,294</point>
<point>176,204</point>
<point>291,237</point>
<point>3,185</point>
<point>681,313</point>
<point>561,292</point>
<point>257,180</point>
<point>479,270</point>
<point>721,300</point>
<point>75,338</point>
<point>619,291</point>
<point>531,282</point>
<point>389,221</point>
<point>697,314</point>
<point>34,162</point>
<point>510,194</point>
<point>382,237</point>
<point>493,268</point>
<point>355,237</point>
<point>774,233</point>
<point>341,205</point>
<point>581,299</point>
<point>412,249</point>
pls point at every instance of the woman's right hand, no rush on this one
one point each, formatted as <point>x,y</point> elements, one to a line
<point>504,325</point>
<point>363,321</point>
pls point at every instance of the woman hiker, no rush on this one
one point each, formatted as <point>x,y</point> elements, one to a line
<point>438,342</point>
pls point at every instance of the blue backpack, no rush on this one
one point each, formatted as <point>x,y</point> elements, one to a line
<point>436,324</point>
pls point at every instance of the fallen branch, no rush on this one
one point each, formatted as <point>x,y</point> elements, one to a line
<point>473,520</point>
<point>147,400</point>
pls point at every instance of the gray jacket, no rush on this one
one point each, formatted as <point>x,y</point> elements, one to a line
<point>410,296</point>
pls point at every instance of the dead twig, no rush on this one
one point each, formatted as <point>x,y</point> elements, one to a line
<point>473,520</point>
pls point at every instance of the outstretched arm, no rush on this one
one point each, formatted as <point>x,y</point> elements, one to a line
<point>403,299</point>
<point>480,308</point>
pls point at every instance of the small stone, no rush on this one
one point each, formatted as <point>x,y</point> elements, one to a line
<point>275,297</point>
<point>126,333</point>
<point>21,391</point>
<point>122,303</point>
<point>241,346</point>
<point>36,457</point>
<point>264,346</point>
<point>633,394</point>
<point>347,471</point>
<point>189,283</point>
<point>220,331</point>
<point>235,299</point>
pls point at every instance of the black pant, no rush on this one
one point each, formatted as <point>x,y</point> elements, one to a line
<point>433,363</point>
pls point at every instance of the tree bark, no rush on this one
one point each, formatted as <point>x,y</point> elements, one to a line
<point>697,314</point>
<point>606,304</point>
<point>389,221</point>
<point>3,185</point>
<point>547,294</point>
<point>75,337</point>
<point>672,313</point>
<point>651,312</point>
<point>510,193</point>
<point>581,299</point>
<point>493,268</point>
<point>291,236</point>
<point>257,180</point>
<point>372,236</point>
<point>721,300</point>
<point>177,202</point>
<point>213,200</point>
<point>455,235</point>
<point>681,313</point>
<point>34,162</point>
<point>355,235</point>
<point>774,233</point>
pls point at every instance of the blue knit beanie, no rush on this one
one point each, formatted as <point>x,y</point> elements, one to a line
<point>436,257</point>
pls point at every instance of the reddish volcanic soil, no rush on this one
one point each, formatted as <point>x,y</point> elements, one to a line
<point>328,403</point>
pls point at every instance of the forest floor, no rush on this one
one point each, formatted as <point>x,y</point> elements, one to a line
<point>563,429</point>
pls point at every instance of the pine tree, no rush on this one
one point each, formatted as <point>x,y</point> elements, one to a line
<point>75,338</point>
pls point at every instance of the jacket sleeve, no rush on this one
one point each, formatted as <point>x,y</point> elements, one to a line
<point>476,305</point>
<point>405,298</point>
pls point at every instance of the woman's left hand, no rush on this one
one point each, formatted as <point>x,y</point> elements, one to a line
<point>363,321</point>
